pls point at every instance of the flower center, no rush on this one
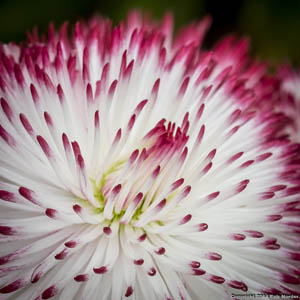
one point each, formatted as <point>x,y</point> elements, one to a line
<point>141,188</point>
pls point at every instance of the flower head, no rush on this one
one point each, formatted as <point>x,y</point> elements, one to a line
<point>137,166</point>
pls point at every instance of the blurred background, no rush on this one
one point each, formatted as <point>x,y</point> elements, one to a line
<point>272,25</point>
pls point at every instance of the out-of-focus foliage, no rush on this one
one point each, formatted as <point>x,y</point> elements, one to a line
<point>272,25</point>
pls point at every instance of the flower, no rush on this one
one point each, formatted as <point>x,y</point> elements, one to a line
<point>137,166</point>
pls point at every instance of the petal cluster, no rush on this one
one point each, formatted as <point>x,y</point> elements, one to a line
<point>290,101</point>
<point>134,165</point>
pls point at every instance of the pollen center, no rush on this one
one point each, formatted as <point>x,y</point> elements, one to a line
<point>138,189</point>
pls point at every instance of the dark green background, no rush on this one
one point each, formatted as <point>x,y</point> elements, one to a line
<point>272,25</point>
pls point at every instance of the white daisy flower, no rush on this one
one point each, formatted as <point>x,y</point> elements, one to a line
<point>137,166</point>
